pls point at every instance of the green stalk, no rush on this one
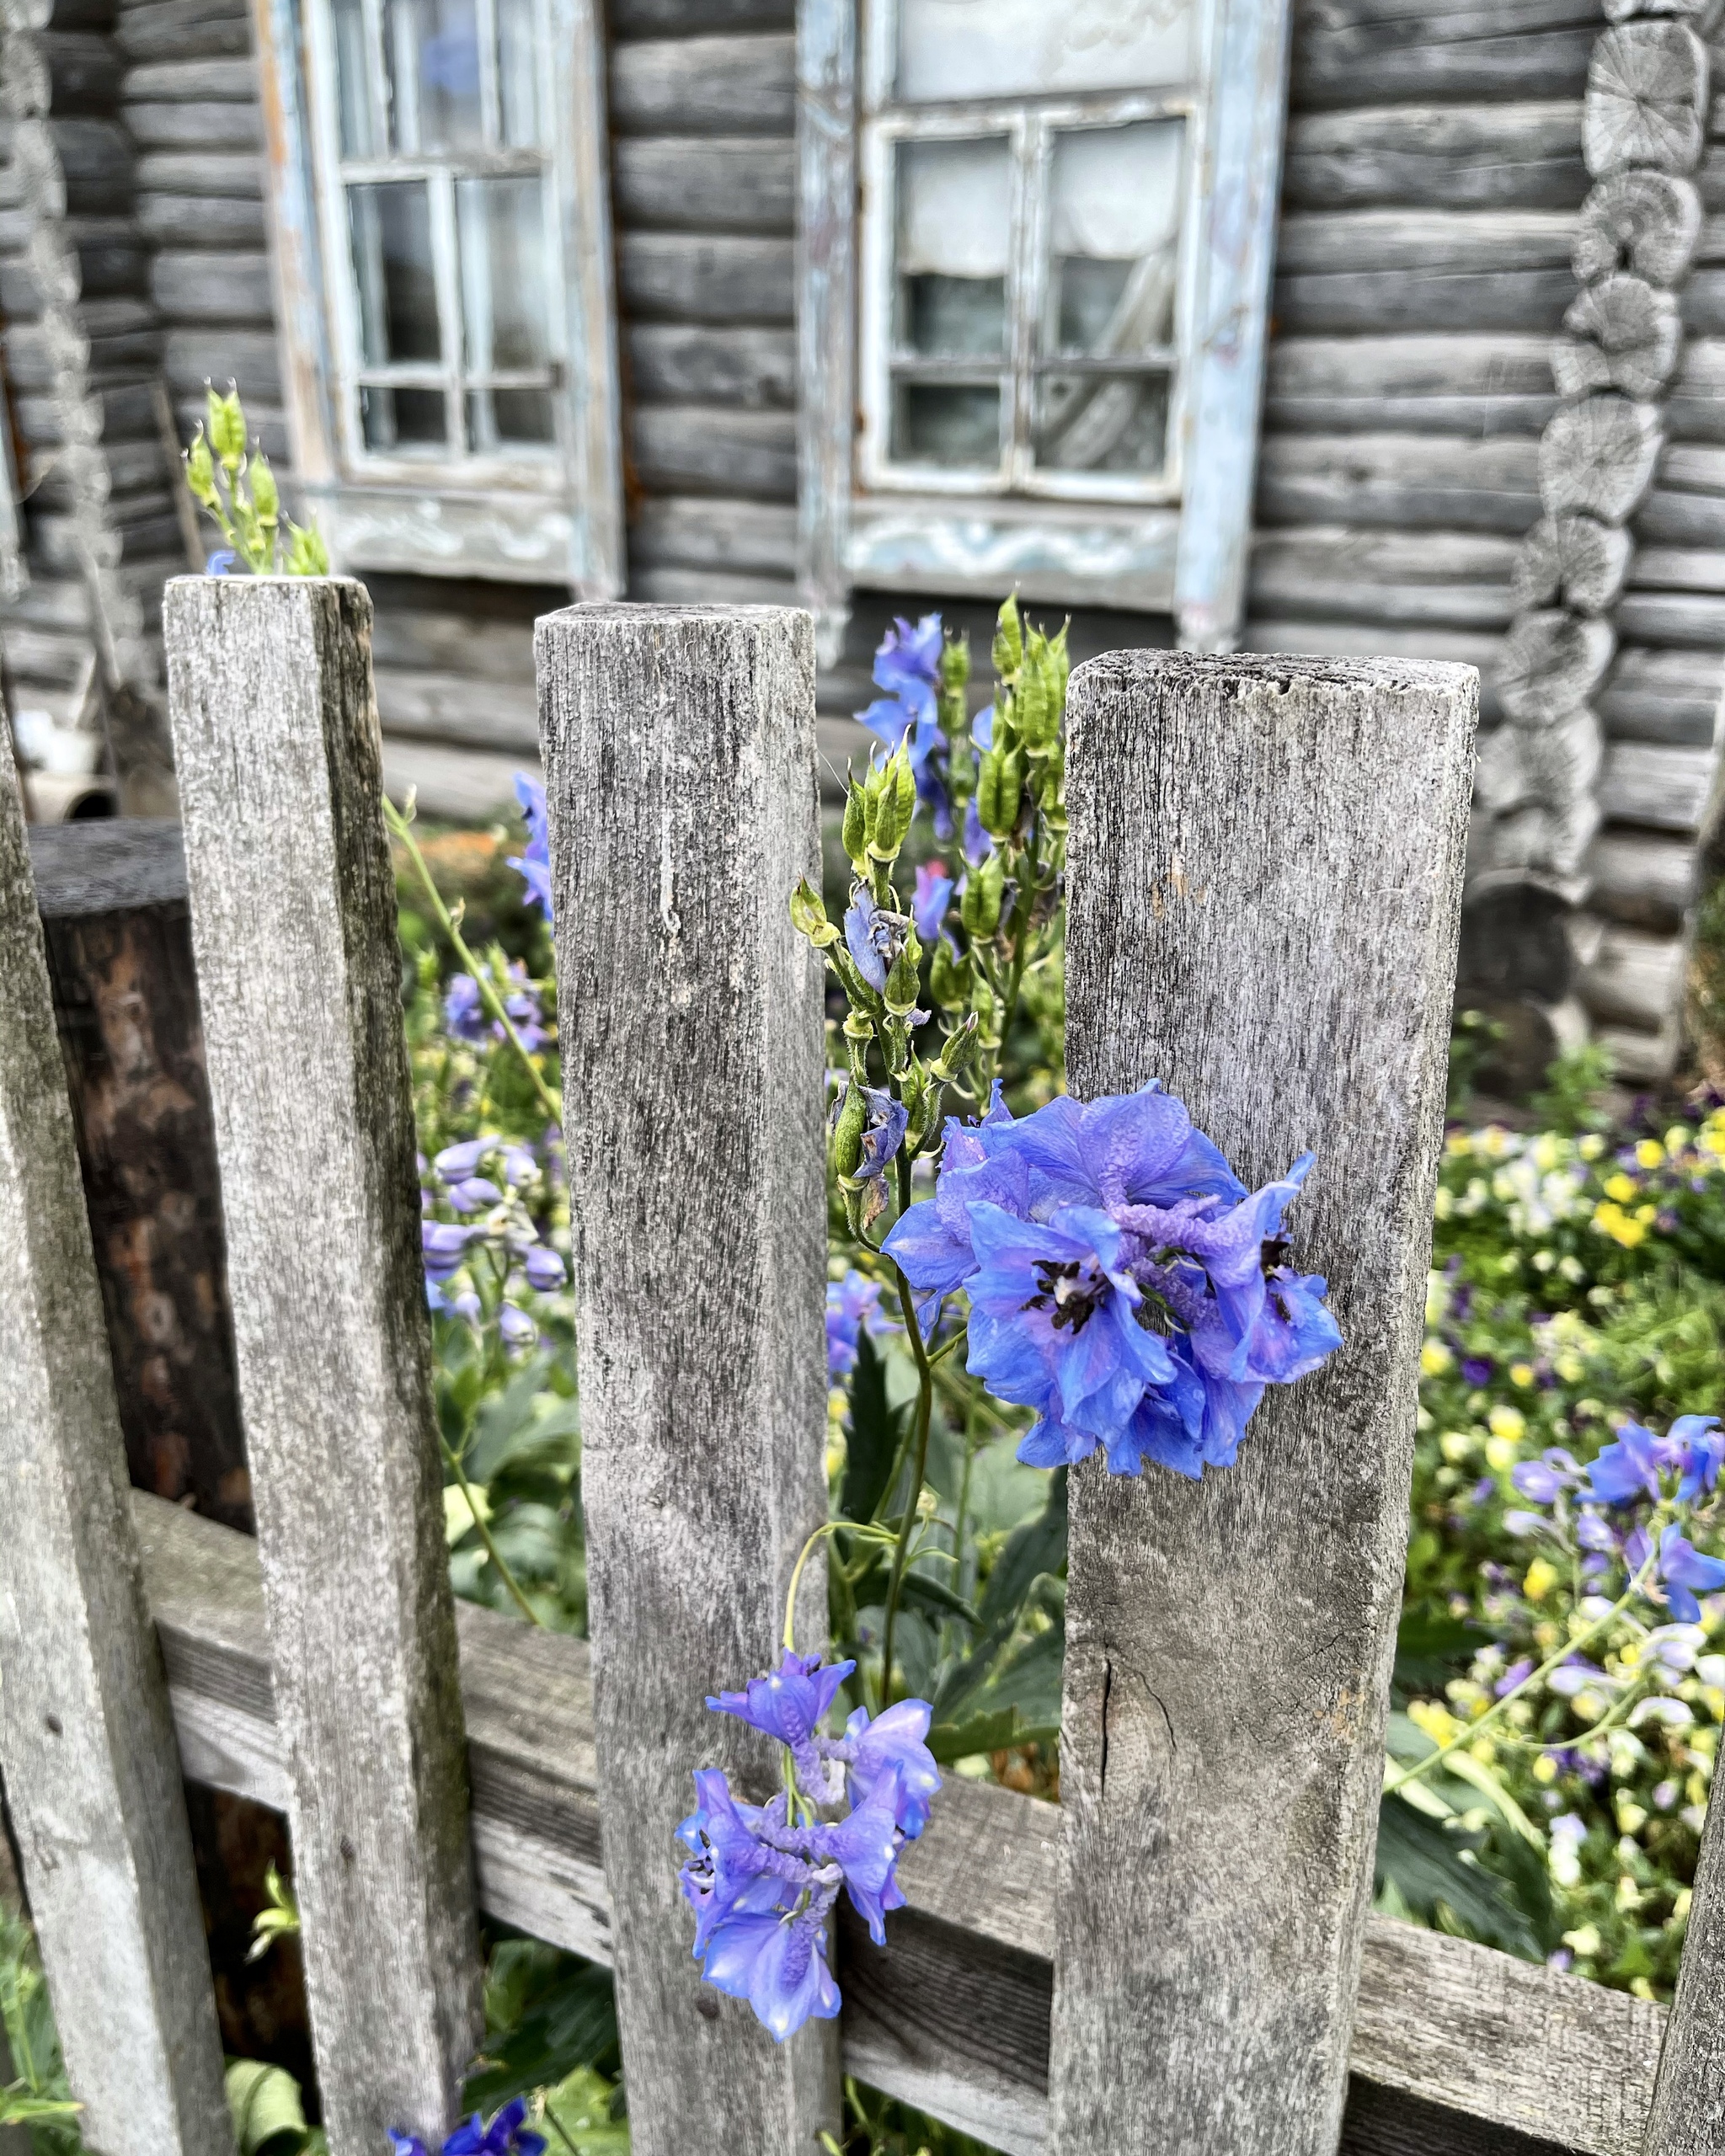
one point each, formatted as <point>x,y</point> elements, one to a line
<point>402,828</point>
<point>492,1550</point>
<point>925,1406</point>
<point>1554,1661</point>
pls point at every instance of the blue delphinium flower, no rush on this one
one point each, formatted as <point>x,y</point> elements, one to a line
<point>221,563</point>
<point>533,863</point>
<point>883,1133</point>
<point>762,1879</point>
<point>463,1012</point>
<point>934,892</point>
<point>1685,1572</point>
<point>507,2135</point>
<point>1123,1281</point>
<point>907,666</point>
<point>1626,1470</point>
<point>851,1303</point>
<point>873,937</point>
<point>544,1269</point>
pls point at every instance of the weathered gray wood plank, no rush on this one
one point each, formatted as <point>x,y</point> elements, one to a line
<point>754,370</point>
<point>1469,384</point>
<point>705,278</point>
<point>213,287</point>
<point>709,185</point>
<point>1408,481</point>
<point>1459,2026</point>
<point>293,922</point>
<point>1207,1951</point>
<point>86,1743</point>
<point>695,1174</point>
<point>683,531</point>
<point>1474,156</point>
<point>728,85</point>
<point>686,449</point>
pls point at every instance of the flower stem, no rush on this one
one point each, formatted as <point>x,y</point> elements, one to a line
<point>492,1550</point>
<point>925,1404</point>
<point>1554,1661</point>
<point>401,827</point>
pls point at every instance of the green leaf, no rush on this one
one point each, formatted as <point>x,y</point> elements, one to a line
<point>582,2106</point>
<point>1431,1648</point>
<point>264,2103</point>
<point>549,2017</point>
<point>936,1596</point>
<point>1038,1546</point>
<point>873,1441</point>
<point>1423,1861</point>
<point>1000,1729</point>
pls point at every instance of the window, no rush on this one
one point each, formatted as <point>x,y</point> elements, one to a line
<point>1057,349</point>
<point>459,408</point>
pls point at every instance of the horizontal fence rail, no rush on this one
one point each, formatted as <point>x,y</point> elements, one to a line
<point>953,2016</point>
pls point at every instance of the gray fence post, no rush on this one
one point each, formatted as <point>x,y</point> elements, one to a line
<point>86,1742</point>
<point>293,929</point>
<point>1688,2116</point>
<point>679,746</point>
<point>1265,870</point>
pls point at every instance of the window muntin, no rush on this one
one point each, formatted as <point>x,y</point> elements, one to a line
<point>1027,266</point>
<point>450,316</point>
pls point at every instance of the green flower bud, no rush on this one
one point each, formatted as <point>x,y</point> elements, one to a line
<point>903,982</point>
<point>855,831</point>
<point>1010,795</point>
<point>1062,659</point>
<point>988,789</point>
<point>983,1007</point>
<point>1033,707</point>
<point>847,1129</point>
<point>959,1050</point>
<point>266,499</point>
<point>808,916</point>
<point>306,554</point>
<point>949,978</point>
<point>226,425</point>
<point>1008,640</point>
<point>955,661</point>
<point>979,909</point>
<point>200,472</point>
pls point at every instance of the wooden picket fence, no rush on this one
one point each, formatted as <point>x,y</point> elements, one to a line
<point>1266,857</point>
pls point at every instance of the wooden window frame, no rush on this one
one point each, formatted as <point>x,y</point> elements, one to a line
<point>1176,546</point>
<point>517,516</point>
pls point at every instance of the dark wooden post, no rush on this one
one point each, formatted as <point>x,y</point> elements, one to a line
<point>293,924</point>
<point>1266,864</point>
<point>679,750</point>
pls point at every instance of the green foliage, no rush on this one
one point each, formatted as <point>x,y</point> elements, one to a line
<point>269,2119</point>
<point>38,2097</point>
<point>1569,1100</point>
<point>279,1917</point>
<point>1472,1042</point>
<point>240,493</point>
<point>550,2018</point>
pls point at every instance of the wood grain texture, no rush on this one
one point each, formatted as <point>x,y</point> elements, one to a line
<point>86,1744</point>
<point>1647,100</point>
<point>1574,562</point>
<point>726,85</point>
<point>1622,332</point>
<point>1477,156</point>
<point>752,370</point>
<point>709,183</point>
<point>1597,457</point>
<point>944,2022</point>
<point>293,924</point>
<point>1207,1952</point>
<point>1645,222</point>
<point>679,750</point>
<point>119,943</point>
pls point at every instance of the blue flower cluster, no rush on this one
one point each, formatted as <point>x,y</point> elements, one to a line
<point>465,1017</point>
<point>763,1879</point>
<point>507,2135</point>
<point>907,666</point>
<point>1639,1470</point>
<point>1122,1280</point>
<point>493,1219</point>
<point>853,1305</point>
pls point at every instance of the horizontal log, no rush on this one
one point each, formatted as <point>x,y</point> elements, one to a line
<point>177,221</point>
<point>32,363</point>
<point>454,707</point>
<point>1447,580</point>
<point>741,85</point>
<point>60,540</point>
<point>680,587</point>
<point>231,176</point>
<point>1682,518</point>
<point>671,363</point>
<point>1635,978</point>
<point>126,413</point>
<point>1678,568</point>
<point>1695,405</point>
<point>747,538</point>
<point>632,18</point>
<point>1460,52</point>
<point>1470,384</point>
<point>1431,241</point>
<point>1510,2042</point>
<point>1667,789</point>
<point>130,468</point>
<point>248,357</point>
<point>1645,881</point>
<point>208,126</point>
<point>468,786</point>
<point>1671,696</point>
<point>52,657</point>
<point>1704,303</point>
<point>671,275</point>
<point>450,640</point>
<point>169,29</point>
<point>1645,222</point>
<point>1422,300</point>
<point>685,449</point>
<point>1642,1058</point>
<point>1404,481</point>
<point>1693,619</point>
<point>178,80</point>
<point>1523,156</point>
<point>708,183</point>
<point>225,287</point>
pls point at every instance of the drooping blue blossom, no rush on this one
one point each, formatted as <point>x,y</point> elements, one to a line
<point>789,1704</point>
<point>444,1245</point>
<point>873,1752</point>
<point>522,1005</point>
<point>873,937</point>
<point>533,863</point>
<point>882,1134</point>
<point>463,1010</point>
<point>851,1303</point>
<point>1627,1468</point>
<point>1684,1573</point>
<point>517,1328</point>
<point>934,892</point>
<point>1544,1480</point>
<point>221,563</point>
<point>544,1268</point>
<point>1697,1444</point>
<point>475,1195</point>
<point>456,1163</point>
<point>1123,1282</point>
<point>507,2135</point>
<point>907,667</point>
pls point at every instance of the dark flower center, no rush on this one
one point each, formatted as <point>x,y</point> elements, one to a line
<point>1069,1293</point>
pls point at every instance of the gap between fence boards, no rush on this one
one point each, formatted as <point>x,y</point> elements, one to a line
<point>1460,2025</point>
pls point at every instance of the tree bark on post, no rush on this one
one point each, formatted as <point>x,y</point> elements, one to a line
<point>88,1747</point>
<point>294,930</point>
<point>1264,890</point>
<point>679,747</point>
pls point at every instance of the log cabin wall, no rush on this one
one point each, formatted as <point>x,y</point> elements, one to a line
<point>1432,185</point>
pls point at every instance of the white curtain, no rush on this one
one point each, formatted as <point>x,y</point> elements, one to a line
<point>1017,48</point>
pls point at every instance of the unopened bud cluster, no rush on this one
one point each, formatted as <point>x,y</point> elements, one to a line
<point>240,493</point>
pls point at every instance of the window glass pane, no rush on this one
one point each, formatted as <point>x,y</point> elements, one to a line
<point>434,66</point>
<point>954,230</point>
<point>509,418</point>
<point>353,81</point>
<point>404,419</point>
<point>1090,422</point>
<point>517,74</point>
<point>502,228</point>
<point>1028,48</point>
<point>397,286</point>
<point>942,422</point>
<point>1114,238</point>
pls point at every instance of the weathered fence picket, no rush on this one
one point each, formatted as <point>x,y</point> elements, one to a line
<point>86,1742</point>
<point>1688,2117</point>
<point>293,925</point>
<point>1264,893</point>
<point>679,747</point>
